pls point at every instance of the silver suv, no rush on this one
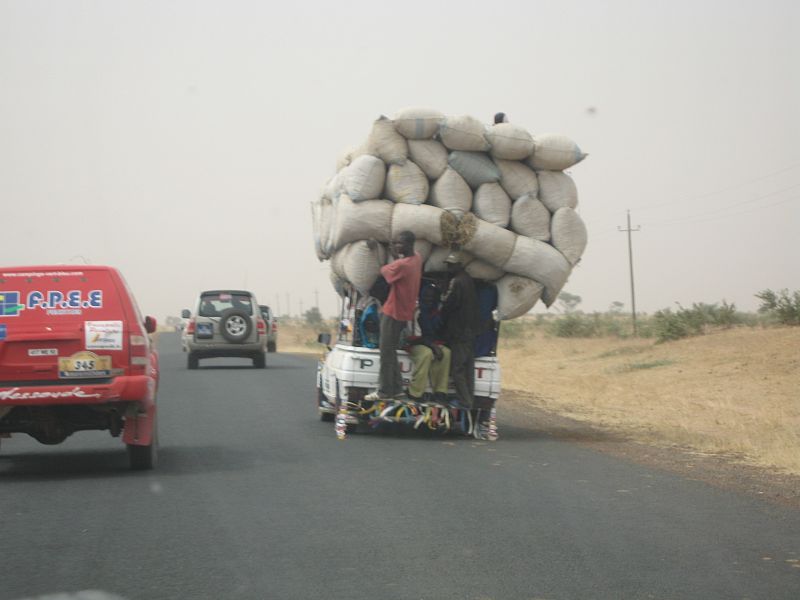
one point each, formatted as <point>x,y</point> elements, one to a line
<point>226,323</point>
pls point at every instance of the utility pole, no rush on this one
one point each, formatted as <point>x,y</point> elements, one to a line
<point>628,230</point>
<point>288,306</point>
<point>316,298</point>
<point>277,304</point>
<point>301,308</point>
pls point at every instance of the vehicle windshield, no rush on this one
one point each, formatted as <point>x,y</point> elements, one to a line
<point>213,305</point>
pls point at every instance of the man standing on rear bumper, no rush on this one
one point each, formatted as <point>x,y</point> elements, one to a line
<point>462,325</point>
<point>403,276</point>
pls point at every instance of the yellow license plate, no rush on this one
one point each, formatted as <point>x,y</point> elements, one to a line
<point>84,364</point>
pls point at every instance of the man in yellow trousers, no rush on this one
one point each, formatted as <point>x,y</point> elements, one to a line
<point>430,356</point>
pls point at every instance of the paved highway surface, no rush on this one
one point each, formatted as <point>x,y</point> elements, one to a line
<point>255,498</point>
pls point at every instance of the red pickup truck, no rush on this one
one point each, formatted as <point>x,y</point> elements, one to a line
<point>75,355</point>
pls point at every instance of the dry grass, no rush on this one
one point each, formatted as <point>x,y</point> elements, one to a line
<point>300,338</point>
<point>734,392</point>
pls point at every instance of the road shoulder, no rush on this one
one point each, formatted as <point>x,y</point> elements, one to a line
<point>723,472</point>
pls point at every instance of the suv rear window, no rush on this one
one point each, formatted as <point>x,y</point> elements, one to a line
<point>214,304</point>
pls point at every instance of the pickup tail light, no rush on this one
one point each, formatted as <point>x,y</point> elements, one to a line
<point>262,327</point>
<point>190,326</point>
<point>274,327</point>
<point>139,354</point>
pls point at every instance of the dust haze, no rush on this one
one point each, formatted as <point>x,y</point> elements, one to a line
<point>183,142</point>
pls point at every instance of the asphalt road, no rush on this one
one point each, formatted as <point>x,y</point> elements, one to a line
<point>255,498</point>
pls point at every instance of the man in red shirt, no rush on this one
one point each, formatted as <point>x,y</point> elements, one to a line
<point>403,275</point>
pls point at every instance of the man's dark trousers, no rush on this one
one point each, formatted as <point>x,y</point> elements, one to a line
<point>390,383</point>
<point>462,371</point>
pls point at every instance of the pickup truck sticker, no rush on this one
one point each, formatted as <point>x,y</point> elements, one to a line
<point>39,274</point>
<point>54,302</point>
<point>3,332</point>
<point>103,335</point>
<point>15,394</point>
<point>9,304</point>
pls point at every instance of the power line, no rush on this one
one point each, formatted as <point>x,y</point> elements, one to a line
<point>734,205</point>
<point>630,262</point>
<point>735,186</point>
<point>693,218</point>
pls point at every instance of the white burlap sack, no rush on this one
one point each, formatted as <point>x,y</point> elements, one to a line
<point>338,283</point>
<point>362,265</point>
<point>333,187</point>
<point>486,241</point>
<point>516,296</point>
<point>346,157</point>
<point>475,167</point>
<point>509,142</point>
<point>429,155</point>
<point>492,204</point>
<point>424,221</point>
<point>517,179</point>
<point>337,262</point>
<point>554,152</point>
<point>463,133</point>
<point>541,262</point>
<point>424,248</point>
<point>451,192</point>
<point>363,179</point>
<point>418,123</point>
<point>529,217</point>
<point>355,221</point>
<point>322,217</point>
<point>407,184</point>
<point>435,263</point>
<point>556,190</point>
<point>569,234</point>
<point>385,143</point>
<point>480,269</point>
<point>315,229</point>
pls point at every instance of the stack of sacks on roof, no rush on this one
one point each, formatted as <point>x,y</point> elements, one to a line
<point>498,193</point>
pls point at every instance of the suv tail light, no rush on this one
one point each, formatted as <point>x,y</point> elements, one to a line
<point>139,354</point>
<point>274,327</point>
<point>262,327</point>
<point>190,326</point>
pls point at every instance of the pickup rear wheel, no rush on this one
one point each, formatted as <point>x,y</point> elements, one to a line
<point>325,417</point>
<point>192,361</point>
<point>272,346</point>
<point>144,458</point>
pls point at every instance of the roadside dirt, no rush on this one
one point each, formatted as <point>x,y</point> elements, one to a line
<point>721,471</point>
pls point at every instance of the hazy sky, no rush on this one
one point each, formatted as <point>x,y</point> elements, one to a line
<point>183,141</point>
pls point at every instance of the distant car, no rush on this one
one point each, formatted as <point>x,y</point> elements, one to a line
<point>226,323</point>
<point>272,327</point>
<point>75,355</point>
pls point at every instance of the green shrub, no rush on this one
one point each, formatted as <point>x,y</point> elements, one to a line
<point>668,325</point>
<point>782,306</point>
<point>573,326</point>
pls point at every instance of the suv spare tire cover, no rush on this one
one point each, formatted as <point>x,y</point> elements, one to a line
<point>235,325</point>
